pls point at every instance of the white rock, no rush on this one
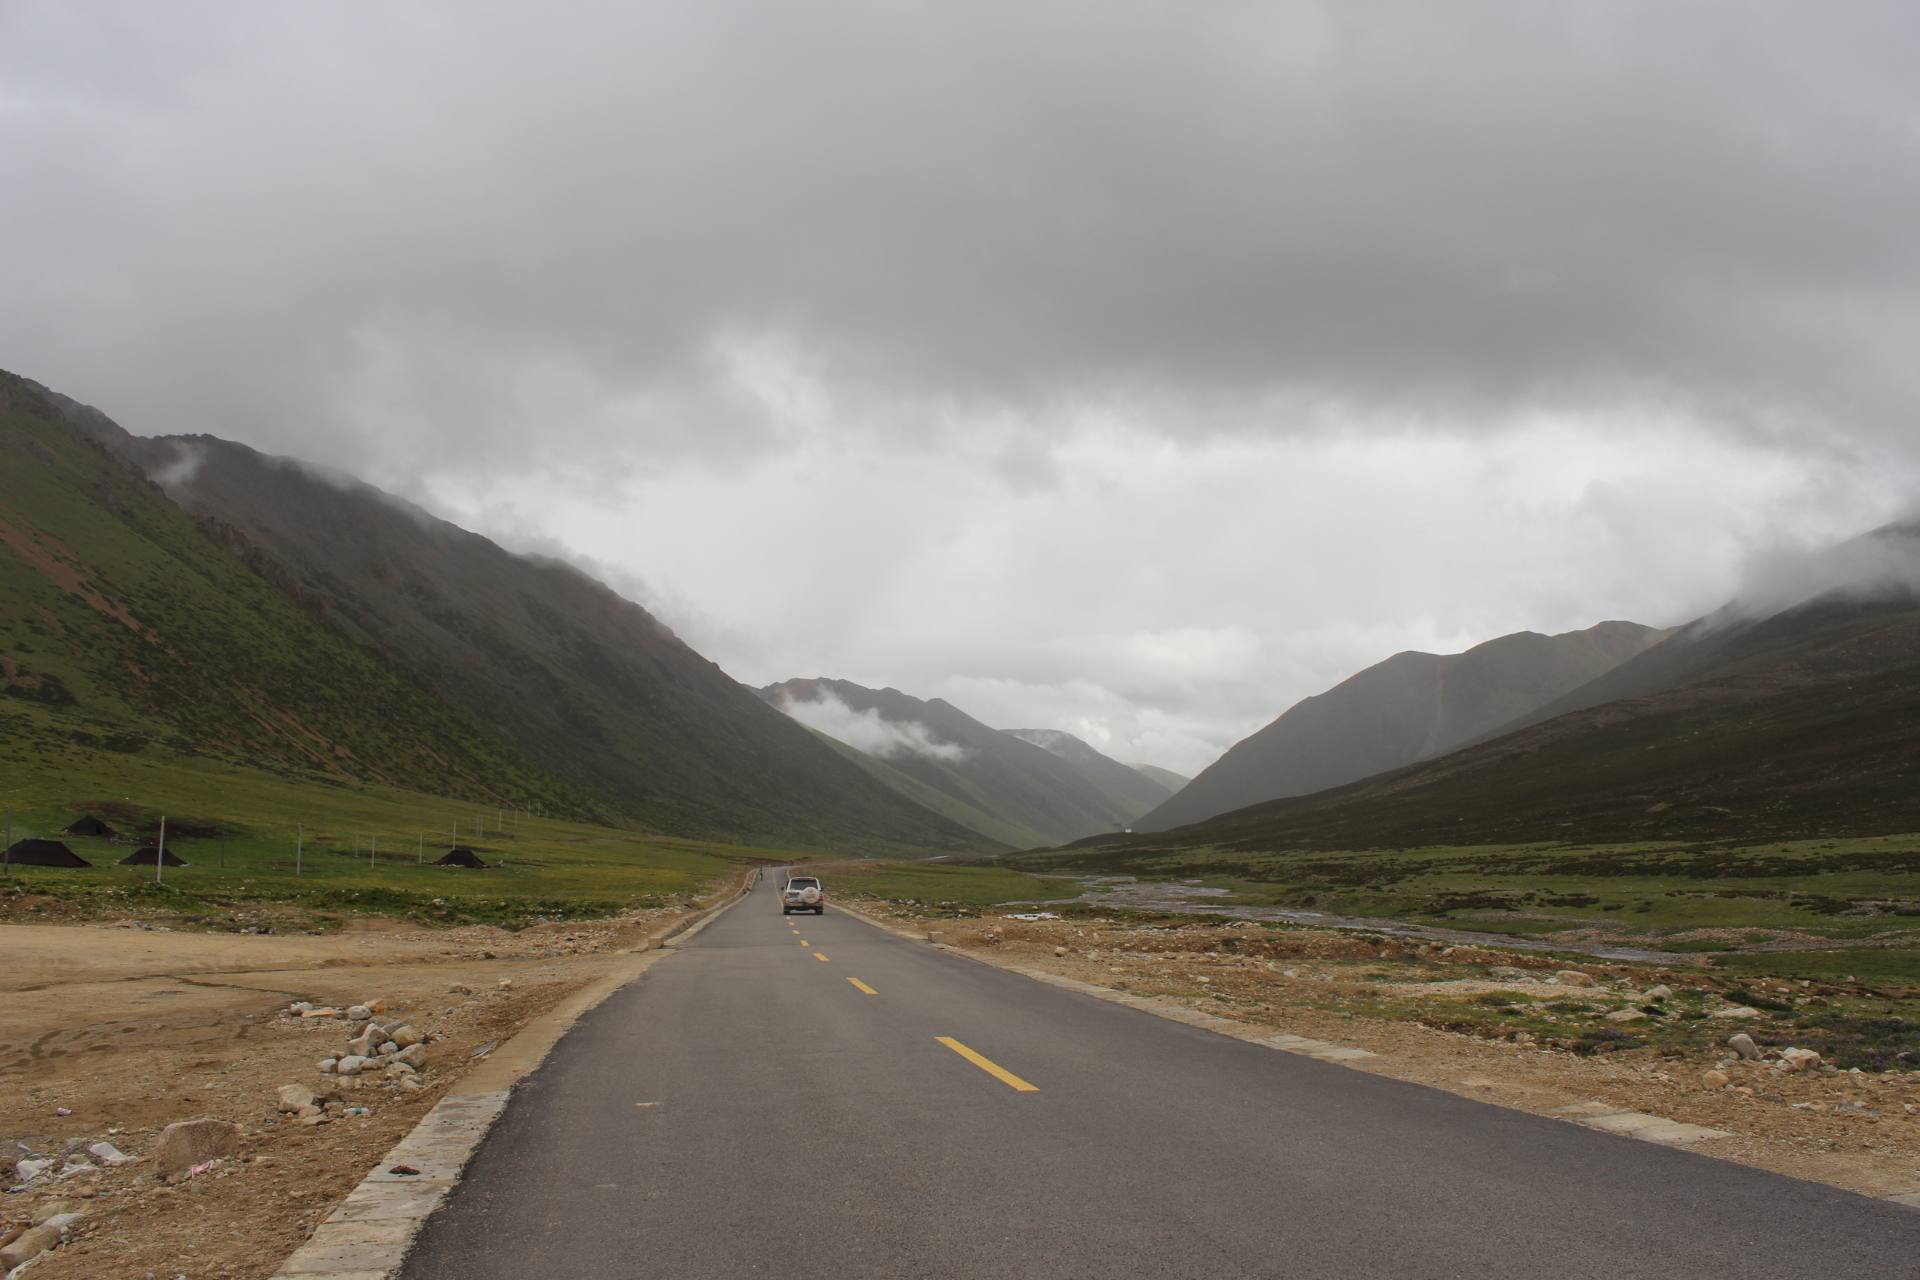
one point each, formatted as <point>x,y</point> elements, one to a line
<point>1625,1015</point>
<point>414,1055</point>
<point>1740,1011</point>
<point>1799,1059</point>
<point>328,1064</point>
<point>107,1153</point>
<point>1575,978</point>
<point>294,1098</point>
<point>1742,1044</point>
<point>388,1048</point>
<point>351,1065</point>
<point>28,1170</point>
<point>1661,992</point>
<point>358,1013</point>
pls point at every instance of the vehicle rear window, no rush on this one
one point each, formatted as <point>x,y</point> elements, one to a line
<point>803,884</point>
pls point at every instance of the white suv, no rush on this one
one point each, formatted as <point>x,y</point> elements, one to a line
<point>803,893</point>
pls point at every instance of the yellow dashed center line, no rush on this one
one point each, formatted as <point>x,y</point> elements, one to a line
<point>989,1066</point>
<point>862,987</point>
<point>805,943</point>
<point>819,955</point>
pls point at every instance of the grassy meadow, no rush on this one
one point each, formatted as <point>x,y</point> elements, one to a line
<point>361,846</point>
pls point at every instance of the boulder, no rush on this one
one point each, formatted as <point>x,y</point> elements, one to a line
<point>186,1143</point>
<point>388,1048</point>
<point>1575,978</point>
<point>1799,1059</point>
<point>1715,1079</point>
<point>358,1013</point>
<point>31,1244</point>
<point>1625,1015</point>
<point>414,1055</point>
<point>1661,992</point>
<point>294,1098</point>
<point>351,1065</point>
<point>108,1154</point>
<point>1742,1044</point>
<point>404,1036</point>
<point>328,1064</point>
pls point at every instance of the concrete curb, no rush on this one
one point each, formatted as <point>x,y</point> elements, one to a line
<point>368,1234</point>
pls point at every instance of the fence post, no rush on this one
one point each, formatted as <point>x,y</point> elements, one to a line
<point>299,839</point>
<point>160,853</point>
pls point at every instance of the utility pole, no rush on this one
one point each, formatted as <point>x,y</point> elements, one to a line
<point>160,852</point>
<point>299,840</point>
<point>373,849</point>
<point>6,855</point>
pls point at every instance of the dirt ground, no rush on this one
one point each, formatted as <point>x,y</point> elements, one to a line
<point>1855,1130</point>
<point>111,1031</point>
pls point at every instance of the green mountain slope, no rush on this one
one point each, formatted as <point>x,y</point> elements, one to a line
<point>1130,792</point>
<point>126,630</point>
<point>1022,787</point>
<point>1808,726</point>
<point>1010,835</point>
<point>1407,708</point>
<point>585,685</point>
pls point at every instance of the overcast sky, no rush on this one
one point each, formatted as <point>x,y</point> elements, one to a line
<point>1128,368</point>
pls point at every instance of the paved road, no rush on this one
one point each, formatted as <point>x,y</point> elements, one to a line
<point>746,1110</point>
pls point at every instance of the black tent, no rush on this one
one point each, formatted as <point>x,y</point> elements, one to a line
<point>460,856</point>
<point>144,857</point>
<point>88,825</point>
<point>42,853</point>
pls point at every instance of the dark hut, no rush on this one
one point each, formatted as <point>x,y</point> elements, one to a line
<point>42,853</point>
<point>144,857</point>
<point>88,825</point>
<point>460,856</point>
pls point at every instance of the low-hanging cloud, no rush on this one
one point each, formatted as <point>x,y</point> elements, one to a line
<point>1882,565</point>
<point>868,731</point>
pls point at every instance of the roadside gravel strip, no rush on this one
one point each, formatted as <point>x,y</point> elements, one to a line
<point>368,1234</point>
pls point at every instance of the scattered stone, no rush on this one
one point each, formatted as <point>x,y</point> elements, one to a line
<point>1625,1015</point>
<point>506,984</point>
<point>28,1170</point>
<point>299,1006</point>
<point>30,1244</point>
<point>1059,951</point>
<point>359,1013</point>
<point>327,1012</point>
<point>1742,1044</point>
<point>351,1065</point>
<point>1661,992</point>
<point>315,1120</point>
<point>411,1082</point>
<point>1799,1059</point>
<point>459,989</point>
<point>295,1098</point>
<point>388,1048</point>
<point>108,1154</point>
<point>1575,978</point>
<point>404,1171</point>
<point>328,1064</point>
<point>404,1036</point>
<point>376,1006</point>
<point>1737,1011</point>
<point>1715,1079</point>
<point>415,1056</point>
<point>187,1143</point>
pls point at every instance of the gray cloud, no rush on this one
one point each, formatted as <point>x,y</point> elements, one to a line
<point>1210,303</point>
<point>869,730</point>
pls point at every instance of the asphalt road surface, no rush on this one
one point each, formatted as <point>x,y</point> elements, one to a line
<point>815,1098</point>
